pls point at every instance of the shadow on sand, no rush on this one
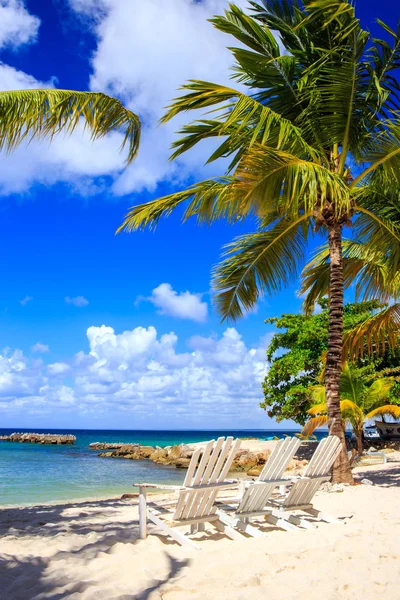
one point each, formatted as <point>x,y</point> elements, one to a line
<point>97,526</point>
<point>385,477</point>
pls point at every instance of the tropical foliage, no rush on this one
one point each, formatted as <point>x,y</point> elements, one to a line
<point>28,114</point>
<point>361,400</point>
<point>296,358</point>
<point>369,271</point>
<point>314,145</point>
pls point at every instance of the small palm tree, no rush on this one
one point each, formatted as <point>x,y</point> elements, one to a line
<point>314,146</point>
<point>359,403</point>
<point>28,114</point>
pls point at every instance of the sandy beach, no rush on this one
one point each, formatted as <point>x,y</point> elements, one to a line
<point>90,550</point>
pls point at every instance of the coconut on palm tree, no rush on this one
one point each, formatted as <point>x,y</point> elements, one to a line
<point>42,113</point>
<point>313,133</point>
<point>360,402</point>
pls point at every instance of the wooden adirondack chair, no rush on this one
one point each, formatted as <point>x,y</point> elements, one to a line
<point>195,506</point>
<point>303,490</point>
<point>255,497</point>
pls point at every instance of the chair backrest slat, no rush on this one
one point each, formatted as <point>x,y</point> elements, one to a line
<point>257,495</point>
<point>198,476</point>
<point>192,467</point>
<point>208,466</point>
<point>228,458</point>
<point>318,468</point>
<point>324,457</point>
<point>279,459</point>
<point>213,459</point>
<point>213,478</point>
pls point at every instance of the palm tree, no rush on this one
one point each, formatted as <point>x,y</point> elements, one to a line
<point>370,271</point>
<point>360,402</point>
<point>28,114</point>
<point>313,144</point>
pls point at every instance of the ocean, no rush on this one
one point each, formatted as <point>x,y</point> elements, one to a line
<point>36,474</point>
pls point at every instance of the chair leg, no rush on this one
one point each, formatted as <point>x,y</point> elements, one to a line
<point>176,535</point>
<point>321,516</point>
<point>280,521</point>
<point>296,520</point>
<point>142,513</point>
<point>237,523</point>
<point>227,530</point>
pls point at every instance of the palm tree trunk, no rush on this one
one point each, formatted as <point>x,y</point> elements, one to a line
<point>341,469</point>
<point>360,446</point>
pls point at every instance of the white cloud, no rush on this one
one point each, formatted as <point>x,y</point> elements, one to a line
<point>25,300</point>
<point>140,377</point>
<point>74,160</point>
<point>79,301</point>
<point>183,305</point>
<point>144,58</point>
<point>58,368</point>
<point>38,347</point>
<point>17,25</point>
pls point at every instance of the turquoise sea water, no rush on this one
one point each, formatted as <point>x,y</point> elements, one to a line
<point>35,474</point>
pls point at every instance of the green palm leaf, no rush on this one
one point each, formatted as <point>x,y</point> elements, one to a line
<point>376,334</point>
<point>258,263</point>
<point>26,114</point>
<point>242,119</point>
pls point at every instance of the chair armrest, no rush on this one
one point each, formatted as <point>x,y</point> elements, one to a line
<point>158,486</point>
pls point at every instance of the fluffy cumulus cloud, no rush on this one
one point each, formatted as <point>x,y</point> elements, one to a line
<point>74,160</point>
<point>183,305</point>
<point>140,376</point>
<point>17,25</point>
<point>145,52</point>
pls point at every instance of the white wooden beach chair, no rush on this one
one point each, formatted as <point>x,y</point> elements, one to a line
<point>253,502</point>
<point>195,505</point>
<point>303,490</point>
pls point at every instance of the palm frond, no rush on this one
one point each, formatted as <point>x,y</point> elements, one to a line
<point>209,200</point>
<point>383,153</point>
<point>352,413</point>
<point>242,120</point>
<point>379,391</point>
<point>385,58</point>
<point>351,384</point>
<point>388,409</point>
<point>26,114</point>
<point>317,409</point>
<point>292,183</point>
<point>259,263</point>
<point>363,265</point>
<point>259,63</point>
<point>375,335</point>
<point>314,424</point>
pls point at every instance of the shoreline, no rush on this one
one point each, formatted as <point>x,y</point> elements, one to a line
<point>359,472</point>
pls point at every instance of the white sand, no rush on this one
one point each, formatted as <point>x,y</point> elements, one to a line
<point>90,550</point>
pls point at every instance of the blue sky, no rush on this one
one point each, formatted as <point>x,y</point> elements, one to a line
<point>64,272</point>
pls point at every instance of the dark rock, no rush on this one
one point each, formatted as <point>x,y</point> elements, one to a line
<point>182,463</point>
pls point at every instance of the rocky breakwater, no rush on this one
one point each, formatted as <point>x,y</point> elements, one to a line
<point>246,461</point>
<point>39,438</point>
